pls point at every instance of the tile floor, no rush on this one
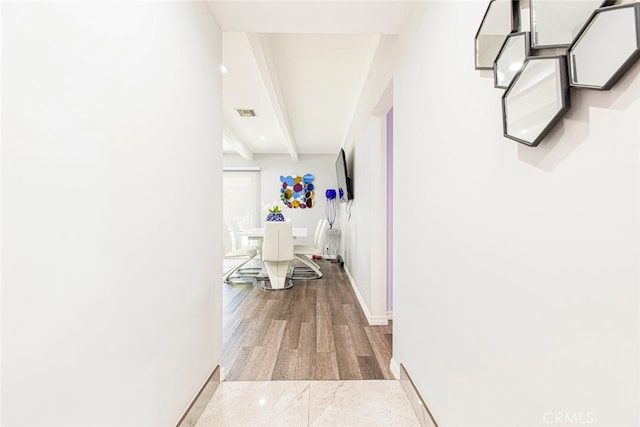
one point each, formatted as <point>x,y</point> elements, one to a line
<point>309,403</point>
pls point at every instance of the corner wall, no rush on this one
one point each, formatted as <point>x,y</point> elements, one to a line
<point>364,236</point>
<point>111,159</point>
<point>516,269</point>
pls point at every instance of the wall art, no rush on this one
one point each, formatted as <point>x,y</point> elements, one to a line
<point>297,191</point>
<point>601,42</point>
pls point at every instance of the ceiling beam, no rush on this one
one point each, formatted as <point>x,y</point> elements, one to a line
<point>262,53</point>
<point>237,144</point>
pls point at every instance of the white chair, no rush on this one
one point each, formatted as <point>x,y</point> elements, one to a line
<point>277,254</point>
<point>232,253</point>
<point>303,252</point>
<point>236,239</point>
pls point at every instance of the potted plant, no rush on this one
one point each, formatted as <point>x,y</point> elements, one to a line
<point>274,210</point>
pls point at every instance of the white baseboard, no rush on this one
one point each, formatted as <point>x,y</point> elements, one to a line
<point>395,368</point>
<point>389,315</point>
<point>371,319</point>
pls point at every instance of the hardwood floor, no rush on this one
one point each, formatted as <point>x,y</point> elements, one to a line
<point>313,331</point>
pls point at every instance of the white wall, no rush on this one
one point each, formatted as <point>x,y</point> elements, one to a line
<point>356,229</point>
<point>516,269</point>
<point>272,166</point>
<point>364,234</point>
<point>1,216</point>
<point>111,238</point>
<point>363,240</point>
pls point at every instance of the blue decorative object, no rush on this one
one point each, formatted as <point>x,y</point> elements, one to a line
<point>330,206</point>
<point>275,216</point>
<point>307,178</point>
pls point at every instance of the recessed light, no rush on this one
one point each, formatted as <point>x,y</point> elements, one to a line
<point>224,69</point>
<point>246,112</point>
<point>263,138</point>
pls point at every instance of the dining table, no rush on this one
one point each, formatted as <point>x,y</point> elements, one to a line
<point>257,233</point>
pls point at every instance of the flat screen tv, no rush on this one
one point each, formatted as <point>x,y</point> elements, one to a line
<point>345,192</point>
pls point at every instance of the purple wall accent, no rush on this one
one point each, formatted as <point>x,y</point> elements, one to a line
<point>390,210</point>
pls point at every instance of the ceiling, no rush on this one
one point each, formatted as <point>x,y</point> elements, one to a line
<point>303,67</point>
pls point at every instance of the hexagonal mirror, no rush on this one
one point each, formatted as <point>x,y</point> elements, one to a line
<point>557,22</point>
<point>607,46</point>
<point>536,99</point>
<point>500,19</point>
<point>510,59</point>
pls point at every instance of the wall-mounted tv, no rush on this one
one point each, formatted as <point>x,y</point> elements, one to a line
<point>345,192</point>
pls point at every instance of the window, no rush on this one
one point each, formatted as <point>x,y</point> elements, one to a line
<point>241,196</point>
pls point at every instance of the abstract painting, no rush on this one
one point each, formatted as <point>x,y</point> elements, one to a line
<point>297,191</point>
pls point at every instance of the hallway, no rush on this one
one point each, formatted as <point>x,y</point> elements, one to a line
<point>309,403</point>
<point>314,331</point>
<point>515,268</point>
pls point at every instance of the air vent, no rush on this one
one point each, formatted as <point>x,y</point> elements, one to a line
<point>244,112</point>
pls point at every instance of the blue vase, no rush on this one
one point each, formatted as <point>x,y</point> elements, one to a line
<point>275,216</point>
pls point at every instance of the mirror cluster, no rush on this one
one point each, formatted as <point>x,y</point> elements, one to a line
<point>601,40</point>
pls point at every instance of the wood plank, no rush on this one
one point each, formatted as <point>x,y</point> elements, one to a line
<point>233,342</point>
<point>381,351</point>
<point>251,368</point>
<point>262,359</point>
<point>267,363</point>
<point>360,341</point>
<point>325,367</point>
<point>310,302</point>
<point>255,332</point>
<point>369,368</point>
<point>291,338</point>
<point>275,332</point>
<point>348,365</point>
<point>236,365</point>
<point>352,313</point>
<point>325,342</point>
<point>338,316</point>
<point>288,365</point>
<point>307,349</point>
